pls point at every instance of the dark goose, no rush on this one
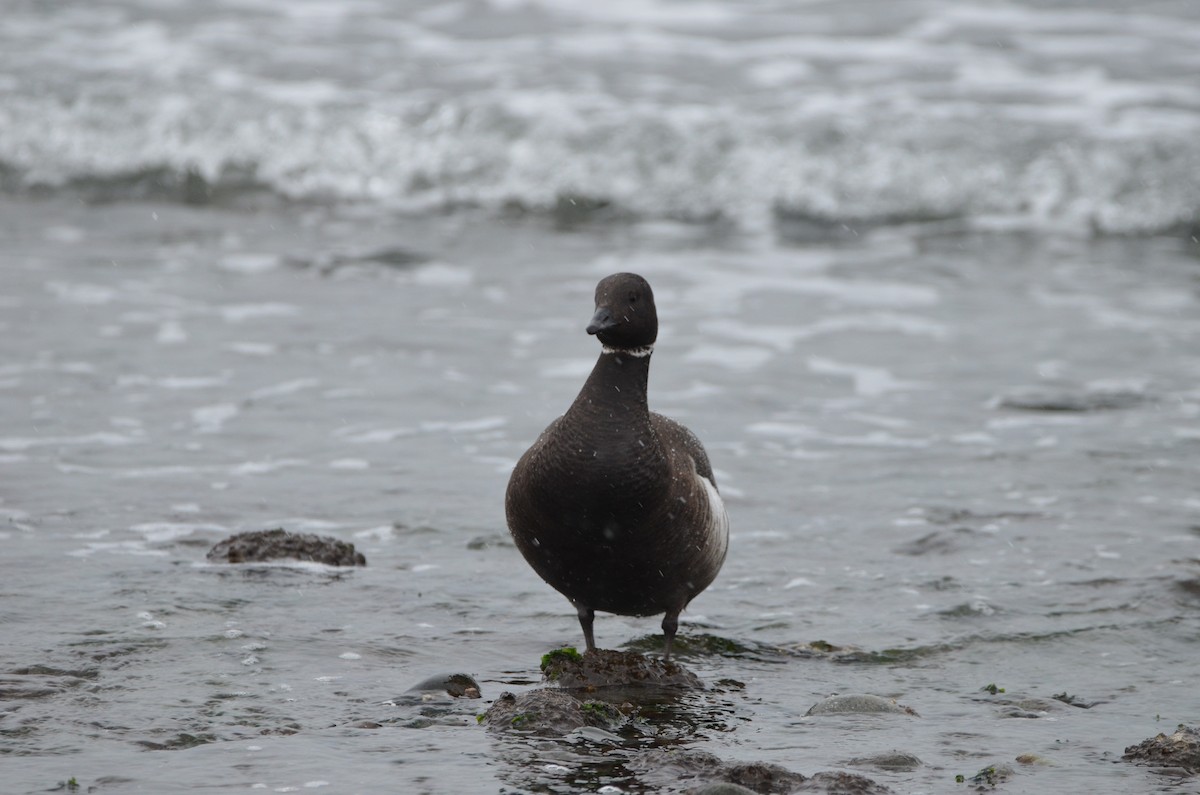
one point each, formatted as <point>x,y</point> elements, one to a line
<point>615,506</point>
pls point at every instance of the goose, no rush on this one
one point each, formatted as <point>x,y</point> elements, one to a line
<point>615,506</point>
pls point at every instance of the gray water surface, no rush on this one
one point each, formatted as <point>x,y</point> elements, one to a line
<point>964,459</point>
<point>928,277</point>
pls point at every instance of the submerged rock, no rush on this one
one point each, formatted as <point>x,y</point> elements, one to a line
<point>606,668</point>
<point>452,685</point>
<point>990,776</point>
<point>715,777</point>
<point>722,788</point>
<point>260,546</point>
<point>549,713</point>
<point>900,761</point>
<point>1178,752</point>
<point>859,704</point>
<point>1068,401</point>
<point>707,770</point>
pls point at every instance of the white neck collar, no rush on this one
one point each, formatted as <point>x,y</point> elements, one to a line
<point>638,353</point>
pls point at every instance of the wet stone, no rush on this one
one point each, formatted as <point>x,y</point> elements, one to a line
<point>716,777</point>
<point>859,704</point>
<point>1178,752</point>
<point>1068,401</point>
<point>1074,701</point>
<point>549,713</point>
<point>606,668</point>
<point>490,542</point>
<point>707,770</point>
<point>988,777</point>
<point>452,685</point>
<point>1026,708</point>
<point>836,782</point>
<point>898,761</point>
<point>722,788</point>
<point>939,542</point>
<point>260,546</point>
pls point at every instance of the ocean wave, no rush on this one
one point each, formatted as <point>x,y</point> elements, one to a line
<point>650,114</point>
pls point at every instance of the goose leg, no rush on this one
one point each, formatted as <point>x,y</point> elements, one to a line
<point>586,617</point>
<point>670,624</point>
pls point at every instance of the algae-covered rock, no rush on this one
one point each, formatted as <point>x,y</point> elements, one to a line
<point>549,713</point>
<point>1178,752</point>
<point>990,776</point>
<point>606,668</point>
<point>260,546</point>
<point>859,704</point>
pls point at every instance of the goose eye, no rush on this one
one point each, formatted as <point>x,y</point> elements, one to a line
<point>633,298</point>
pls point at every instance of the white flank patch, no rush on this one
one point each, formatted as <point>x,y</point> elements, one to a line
<point>718,522</point>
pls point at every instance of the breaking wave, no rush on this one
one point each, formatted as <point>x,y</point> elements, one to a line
<point>923,123</point>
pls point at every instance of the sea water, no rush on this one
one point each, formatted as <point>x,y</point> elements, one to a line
<point>928,283</point>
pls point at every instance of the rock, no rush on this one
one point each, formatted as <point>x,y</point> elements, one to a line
<point>1068,401</point>
<point>891,760</point>
<point>674,766</point>
<point>606,668</point>
<point>722,788</point>
<point>836,782</point>
<point>1027,708</point>
<point>1178,752</point>
<point>1074,701</point>
<point>990,776</point>
<point>859,705</point>
<point>259,546</point>
<point>549,713</point>
<point>453,685</point>
<point>939,542</point>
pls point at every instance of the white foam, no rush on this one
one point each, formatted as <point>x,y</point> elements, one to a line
<point>210,419</point>
<point>284,388</point>
<point>135,548</point>
<point>169,471</point>
<point>265,467</point>
<point>174,382</point>
<point>740,358</point>
<point>158,532</point>
<point>254,348</point>
<point>465,426</point>
<point>249,262</point>
<point>438,274</point>
<point>868,381</point>
<point>171,333</point>
<point>239,313</point>
<point>567,368</point>
<point>106,439</point>
<point>81,293</point>
<point>373,435</point>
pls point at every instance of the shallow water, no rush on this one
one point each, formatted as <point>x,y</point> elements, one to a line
<point>929,283</point>
<point>173,375</point>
